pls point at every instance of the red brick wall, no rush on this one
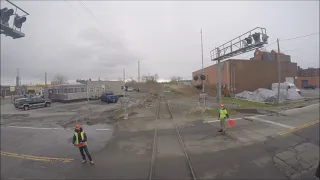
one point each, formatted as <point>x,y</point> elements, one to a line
<point>311,81</point>
<point>250,75</point>
<point>211,73</point>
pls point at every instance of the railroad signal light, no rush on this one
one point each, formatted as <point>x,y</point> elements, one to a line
<point>19,20</point>
<point>248,40</point>
<point>202,77</point>
<point>265,38</point>
<point>5,15</point>
<point>256,37</point>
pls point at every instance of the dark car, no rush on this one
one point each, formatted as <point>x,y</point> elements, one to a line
<point>33,102</point>
<point>309,86</point>
<point>17,101</point>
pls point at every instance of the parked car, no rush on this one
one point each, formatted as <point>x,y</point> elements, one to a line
<point>17,101</point>
<point>104,95</point>
<point>33,102</point>
<point>111,99</point>
<point>309,86</point>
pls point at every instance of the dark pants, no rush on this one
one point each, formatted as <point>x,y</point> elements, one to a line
<point>85,149</point>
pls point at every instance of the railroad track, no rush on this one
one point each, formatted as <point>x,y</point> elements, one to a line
<point>163,108</point>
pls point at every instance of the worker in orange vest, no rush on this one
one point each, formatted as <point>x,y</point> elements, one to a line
<point>80,140</point>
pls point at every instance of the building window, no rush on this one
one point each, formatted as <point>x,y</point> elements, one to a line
<point>98,89</point>
<point>77,90</point>
<point>70,90</point>
<point>91,89</point>
<point>83,90</point>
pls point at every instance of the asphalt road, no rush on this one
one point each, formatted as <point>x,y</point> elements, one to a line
<point>310,93</point>
<point>269,147</point>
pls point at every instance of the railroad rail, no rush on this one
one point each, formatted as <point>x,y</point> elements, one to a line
<point>162,99</point>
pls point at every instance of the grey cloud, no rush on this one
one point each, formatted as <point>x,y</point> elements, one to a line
<point>164,36</point>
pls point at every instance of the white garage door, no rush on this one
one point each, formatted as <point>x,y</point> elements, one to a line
<point>290,79</point>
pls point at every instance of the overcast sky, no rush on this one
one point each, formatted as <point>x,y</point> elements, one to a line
<point>62,37</point>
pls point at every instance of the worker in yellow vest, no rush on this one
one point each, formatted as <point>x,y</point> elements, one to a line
<point>223,116</point>
<point>80,140</point>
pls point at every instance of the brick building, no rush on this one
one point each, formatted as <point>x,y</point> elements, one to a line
<point>308,76</point>
<point>240,75</point>
<point>266,55</point>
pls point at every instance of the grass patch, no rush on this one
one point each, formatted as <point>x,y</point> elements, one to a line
<point>244,103</point>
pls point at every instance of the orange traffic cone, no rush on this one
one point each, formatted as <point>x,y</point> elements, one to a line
<point>231,123</point>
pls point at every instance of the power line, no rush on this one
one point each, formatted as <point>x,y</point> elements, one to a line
<point>299,37</point>
<point>94,17</point>
<point>74,9</point>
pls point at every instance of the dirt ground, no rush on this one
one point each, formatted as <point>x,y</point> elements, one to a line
<point>61,115</point>
<point>186,110</point>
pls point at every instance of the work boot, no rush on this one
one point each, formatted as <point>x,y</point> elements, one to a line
<point>91,162</point>
<point>220,130</point>
<point>84,161</point>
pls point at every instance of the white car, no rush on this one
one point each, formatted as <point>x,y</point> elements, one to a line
<point>130,89</point>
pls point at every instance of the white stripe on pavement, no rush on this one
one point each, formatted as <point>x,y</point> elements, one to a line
<point>272,122</point>
<point>219,120</point>
<point>42,128</point>
<point>102,129</point>
<point>22,127</point>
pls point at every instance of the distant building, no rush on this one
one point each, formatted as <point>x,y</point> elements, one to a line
<point>308,76</point>
<point>240,75</point>
<point>261,54</point>
<point>5,91</point>
<point>83,90</point>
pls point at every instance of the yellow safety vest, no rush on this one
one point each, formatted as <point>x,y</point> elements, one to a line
<point>82,137</point>
<point>223,113</point>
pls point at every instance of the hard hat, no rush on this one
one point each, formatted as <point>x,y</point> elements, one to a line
<point>77,127</point>
<point>222,105</point>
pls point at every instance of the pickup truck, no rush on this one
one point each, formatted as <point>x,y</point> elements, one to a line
<point>33,102</point>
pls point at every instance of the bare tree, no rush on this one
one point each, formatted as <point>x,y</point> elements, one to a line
<point>59,79</point>
<point>175,79</point>
<point>150,78</point>
<point>156,77</point>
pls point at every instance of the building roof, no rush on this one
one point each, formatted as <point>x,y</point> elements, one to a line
<point>69,84</point>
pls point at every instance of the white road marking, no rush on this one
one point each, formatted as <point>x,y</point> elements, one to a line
<point>272,122</point>
<point>219,120</point>
<point>22,127</point>
<point>41,128</point>
<point>102,129</point>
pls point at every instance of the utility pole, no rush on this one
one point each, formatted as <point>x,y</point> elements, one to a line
<point>124,93</point>
<point>202,61</point>
<point>279,72</point>
<point>139,71</point>
<point>219,82</point>
<point>18,82</point>
<point>45,78</point>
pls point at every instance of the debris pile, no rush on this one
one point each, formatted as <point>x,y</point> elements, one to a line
<point>268,96</point>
